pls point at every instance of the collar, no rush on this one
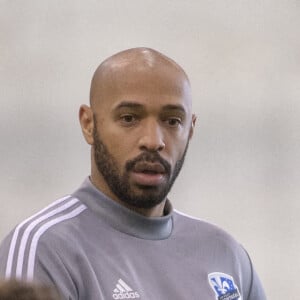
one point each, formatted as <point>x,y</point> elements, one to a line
<point>123,219</point>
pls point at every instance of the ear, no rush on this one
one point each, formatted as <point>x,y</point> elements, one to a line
<point>87,123</point>
<point>194,118</point>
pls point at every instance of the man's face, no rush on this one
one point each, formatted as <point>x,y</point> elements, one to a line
<point>156,175</point>
<point>141,132</point>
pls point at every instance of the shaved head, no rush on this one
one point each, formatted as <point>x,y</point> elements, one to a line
<point>139,124</point>
<point>133,62</point>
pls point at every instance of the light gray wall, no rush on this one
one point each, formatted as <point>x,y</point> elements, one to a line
<point>243,60</point>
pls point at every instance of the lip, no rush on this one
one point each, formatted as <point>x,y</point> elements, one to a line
<point>149,167</point>
<point>146,173</point>
<point>148,179</point>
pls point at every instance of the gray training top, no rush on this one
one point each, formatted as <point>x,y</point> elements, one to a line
<point>92,248</point>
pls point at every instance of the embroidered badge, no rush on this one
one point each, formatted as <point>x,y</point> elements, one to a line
<point>224,286</point>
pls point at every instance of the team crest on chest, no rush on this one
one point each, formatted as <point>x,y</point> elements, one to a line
<point>224,286</point>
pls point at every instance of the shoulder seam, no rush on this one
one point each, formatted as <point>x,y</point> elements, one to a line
<point>197,219</point>
<point>186,215</point>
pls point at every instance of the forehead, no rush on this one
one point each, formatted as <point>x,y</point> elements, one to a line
<point>159,86</point>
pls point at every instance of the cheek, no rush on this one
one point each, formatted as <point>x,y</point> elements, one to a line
<point>123,144</point>
<point>117,144</point>
<point>176,150</point>
<point>120,149</point>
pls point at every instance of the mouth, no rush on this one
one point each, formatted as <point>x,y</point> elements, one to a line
<point>147,167</point>
<point>149,174</point>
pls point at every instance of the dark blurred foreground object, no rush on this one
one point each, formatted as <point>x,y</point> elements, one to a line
<point>18,290</point>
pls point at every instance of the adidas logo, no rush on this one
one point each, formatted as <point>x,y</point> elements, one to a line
<point>124,291</point>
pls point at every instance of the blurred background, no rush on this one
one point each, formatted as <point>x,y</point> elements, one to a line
<point>243,60</point>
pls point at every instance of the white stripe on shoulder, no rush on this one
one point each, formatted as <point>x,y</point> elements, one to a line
<point>41,230</point>
<point>16,234</point>
<point>30,228</point>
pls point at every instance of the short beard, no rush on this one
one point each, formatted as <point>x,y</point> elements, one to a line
<point>148,196</point>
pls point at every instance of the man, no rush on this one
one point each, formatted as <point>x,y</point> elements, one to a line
<point>117,236</point>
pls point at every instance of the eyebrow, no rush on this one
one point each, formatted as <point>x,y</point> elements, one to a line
<point>174,107</point>
<point>128,104</point>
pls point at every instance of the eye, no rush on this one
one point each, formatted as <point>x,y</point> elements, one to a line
<point>174,122</point>
<point>128,119</point>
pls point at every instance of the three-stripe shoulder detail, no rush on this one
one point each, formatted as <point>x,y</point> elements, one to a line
<point>22,251</point>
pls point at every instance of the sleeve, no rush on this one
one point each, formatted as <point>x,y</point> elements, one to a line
<point>51,269</point>
<point>4,260</point>
<point>42,265</point>
<point>256,291</point>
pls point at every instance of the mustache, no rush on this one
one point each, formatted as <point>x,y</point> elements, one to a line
<point>150,157</point>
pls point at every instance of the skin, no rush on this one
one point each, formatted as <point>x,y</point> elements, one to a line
<point>140,102</point>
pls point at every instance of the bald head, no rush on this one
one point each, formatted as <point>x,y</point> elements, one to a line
<point>140,105</point>
<point>128,66</point>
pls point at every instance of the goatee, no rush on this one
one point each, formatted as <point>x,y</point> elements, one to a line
<point>118,182</point>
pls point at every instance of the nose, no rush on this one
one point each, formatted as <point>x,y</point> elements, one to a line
<point>152,138</point>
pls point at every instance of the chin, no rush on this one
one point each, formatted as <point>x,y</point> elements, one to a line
<point>145,200</point>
